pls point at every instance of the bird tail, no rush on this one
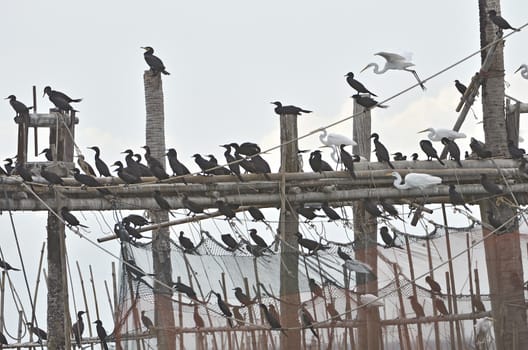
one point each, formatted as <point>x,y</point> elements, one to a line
<point>19,269</point>
<point>103,342</point>
<point>305,111</point>
<point>390,164</point>
<point>440,161</point>
<point>382,106</point>
<point>83,225</point>
<point>373,94</point>
<point>77,100</point>
<point>459,163</point>
<point>230,322</point>
<point>165,72</point>
<point>314,332</point>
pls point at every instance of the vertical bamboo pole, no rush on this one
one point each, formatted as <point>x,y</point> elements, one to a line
<point>470,277</point>
<point>133,304</point>
<point>411,269</point>
<point>348,312</point>
<point>451,309</point>
<point>405,329</point>
<point>180,315</point>
<point>250,316</point>
<point>2,300</point>
<point>117,308</point>
<point>224,292</point>
<point>88,319</point>
<point>435,311</point>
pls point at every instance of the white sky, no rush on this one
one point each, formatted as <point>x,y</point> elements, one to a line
<point>227,61</point>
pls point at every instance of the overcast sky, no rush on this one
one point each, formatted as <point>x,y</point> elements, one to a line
<point>227,61</point>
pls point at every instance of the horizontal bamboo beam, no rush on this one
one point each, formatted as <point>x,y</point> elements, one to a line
<point>431,319</point>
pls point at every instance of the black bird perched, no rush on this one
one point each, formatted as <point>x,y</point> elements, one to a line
<point>60,100</point>
<point>144,169</point>
<point>460,87</point>
<point>272,321</point>
<point>218,170</point>
<point>356,85</point>
<point>70,219</point>
<point>515,152</point>
<point>101,333</point>
<point>348,160</point>
<point>398,156</point>
<point>479,148</point>
<point>307,320</point>
<point>137,220</point>
<point>89,181</point>
<point>147,322</point>
<point>198,320</point>
<point>151,160</point>
<point>186,243</point>
<point>23,172</point>
<point>134,166</point>
<point>260,166</point>
<point>246,148</point>
<point>192,206</point>
<point>343,255</point>
<point>430,151</point>
<point>477,304</point>
<point>224,308</point>
<point>489,186</point>
<point>3,340</point>
<point>453,150</point>
<point>125,175</point>
<point>41,334</point>
<point>317,164</point>
<point>331,213</point>
<point>185,289</point>
<point>456,197</point>
<point>162,202</point>
<point>310,244</point>
<point>238,316</point>
<point>367,102</point>
<point>101,166</point>
<point>50,176</point>
<point>230,159</point>
<point>372,208</point>
<point>255,250</point>
<point>381,151</point>
<point>177,167</point>
<point>308,213</point>
<point>226,209</point>
<point>440,306</point>
<point>229,241</point>
<point>256,214</point>
<point>47,153</point>
<point>9,166</point>
<point>334,314</point>
<point>288,110</point>
<point>257,239</point>
<point>418,309</point>
<point>414,156</point>
<point>389,207</point>
<point>273,311</point>
<point>204,164</point>
<point>387,238</point>
<point>54,93</point>
<point>243,298</point>
<point>78,328</point>
<point>499,21</point>
<point>5,265</point>
<point>20,108</point>
<point>316,289</point>
<point>435,287</point>
<point>155,64</point>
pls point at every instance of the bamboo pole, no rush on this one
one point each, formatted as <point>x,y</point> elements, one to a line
<point>224,292</point>
<point>251,315</point>
<point>2,300</point>
<point>180,315</point>
<point>411,269</point>
<point>88,319</point>
<point>450,306</point>
<point>433,297</point>
<point>108,297</point>
<point>470,278</point>
<point>405,330</point>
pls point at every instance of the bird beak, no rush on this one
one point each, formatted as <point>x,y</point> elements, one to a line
<point>364,69</point>
<point>517,70</point>
<point>422,131</point>
<point>324,146</point>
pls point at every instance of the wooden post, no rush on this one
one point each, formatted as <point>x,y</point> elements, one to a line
<point>155,139</point>
<point>450,308</point>
<point>88,319</point>
<point>503,252</point>
<point>288,227</point>
<point>470,277</point>
<point>405,330</point>
<point>411,270</point>
<point>435,311</point>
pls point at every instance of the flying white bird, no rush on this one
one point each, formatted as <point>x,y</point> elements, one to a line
<point>335,141</point>
<point>524,71</point>
<point>437,134</point>
<point>370,300</point>
<point>415,180</point>
<point>395,62</point>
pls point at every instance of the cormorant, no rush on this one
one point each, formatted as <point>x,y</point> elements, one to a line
<point>381,151</point>
<point>229,241</point>
<point>456,197</point>
<point>316,289</point>
<point>387,238</point>
<point>226,209</point>
<point>125,175</point>
<point>255,250</point>
<point>20,108</point>
<point>151,161</point>
<point>186,243</point>
<point>372,208</point>
<point>515,152</point>
<point>6,266</point>
<point>307,320</point>
<point>273,311</point>
<point>356,85</point>
<point>23,172</point>
<point>256,214</point>
<point>177,167</point>
<point>260,166</point>
<point>499,21</point>
<point>331,213</point>
<point>147,322</point>
<point>3,339</point>
<point>54,93</point>
<point>47,153</point>
<point>453,150</point>
<point>204,164</point>
<point>192,206</point>
<point>390,208</point>
<point>198,320</point>
<point>89,181</point>
<point>308,213</point>
<point>50,176</point>
<point>162,202</point>
<point>243,298</point>
<point>39,333</point>
<point>224,308</point>
<point>159,173</point>
<point>122,232</point>
<point>367,102</point>
<point>244,163</point>
<point>9,166</point>
<point>348,160</point>
<point>132,166</point>
<point>185,289</point>
<point>70,219</point>
<point>78,328</point>
<point>272,321</point>
<point>398,156</point>
<point>440,306</point>
<point>101,333</point>
<point>317,164</point>
<point>343,255</point>
<point>144,169</point>
<point>477,304</point>
<point>489,186</point>
<point>155,64</point>
<point>83,164</point>
<point>101,166</point>
<point>218,170</point>
<point>60,100</point>
<point>137,220</point>
<point>435,287</point>
<point>230,159</point>
<point>334,314</point>
<point>246,148</point>
<point>310,244</point>
<point>414,156</point>
<point>288,110</point>
<point>479,148</point>
<point>257,239</point>
<point>418,309</point>
<point>460,87</point>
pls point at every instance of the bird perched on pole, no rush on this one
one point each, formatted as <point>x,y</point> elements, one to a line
<point>372,208</point>
<point>230,242</point>
<point>232,163</point>
<point>257,239</point>
<point>272,321</point>
<point>396,62</point>
<point>500,22</point>
<point>317,164</point>
<point>387,238</point>
<point>460,87</point>
<point>381,151</point>
<point>70,219</point>
<point>6,266</point>
<point>334,314</point>
<point>243,298</point>
<point>48,154</point>
<point>101,333</point>
<point>288,110</point>
<point>100,165</point>
<point>21,109</point>
<point>224,308</point>
<point>414,180</point>
<point>162,202</point>
<point>348,160</point>
<point>308,213</point>
<point>147,322</point>
<point>310,244</point>
<point>50,176</point>
<point>89,181</point>
<point>39,333</point>
<point>83,164</point>
<point>316,289</point>
<point>185,289</point>
<point>343,255</point>
<point>178,168</point>
<point>440,306</point>
<point>125,175</point>
<point>418,309</point>
<point>307,319</point>
<point>187,244</point>
<point>453,150</point>
<point>490,186</point>
<point>78,328</point>
<point>435,287</point>
<point>456,197</point>
<point>367,102</point>
<point>227,209</point>
<point>515,152</point>
<point>198,320</point>
<point>524,71</point>
<point>479,148</point>
<point>331,213</point>
<point>430,151</point>
<point>192,206</point>
<point>357,85</point>
<point>155,64</point>
<point>333,141</point>
<point>256,214</point>
<point>54,94</point>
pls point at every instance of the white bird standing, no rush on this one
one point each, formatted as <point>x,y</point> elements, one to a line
<point>437,134</point>
<point>370,300</point>
<point>395,62</point>
<point>415,180</point>
<point>335,141</point>
<point>524,71</point>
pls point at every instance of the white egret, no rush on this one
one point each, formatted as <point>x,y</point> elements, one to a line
<point>358,266</point>
<point>415,180</point>
<point>370,300</point>
<point>334,141</point>
<point>395,62</point>
<point>437,134</point>
<point>524,71</point>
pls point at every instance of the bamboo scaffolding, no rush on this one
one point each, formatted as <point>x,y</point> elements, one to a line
<point>87,310</point>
